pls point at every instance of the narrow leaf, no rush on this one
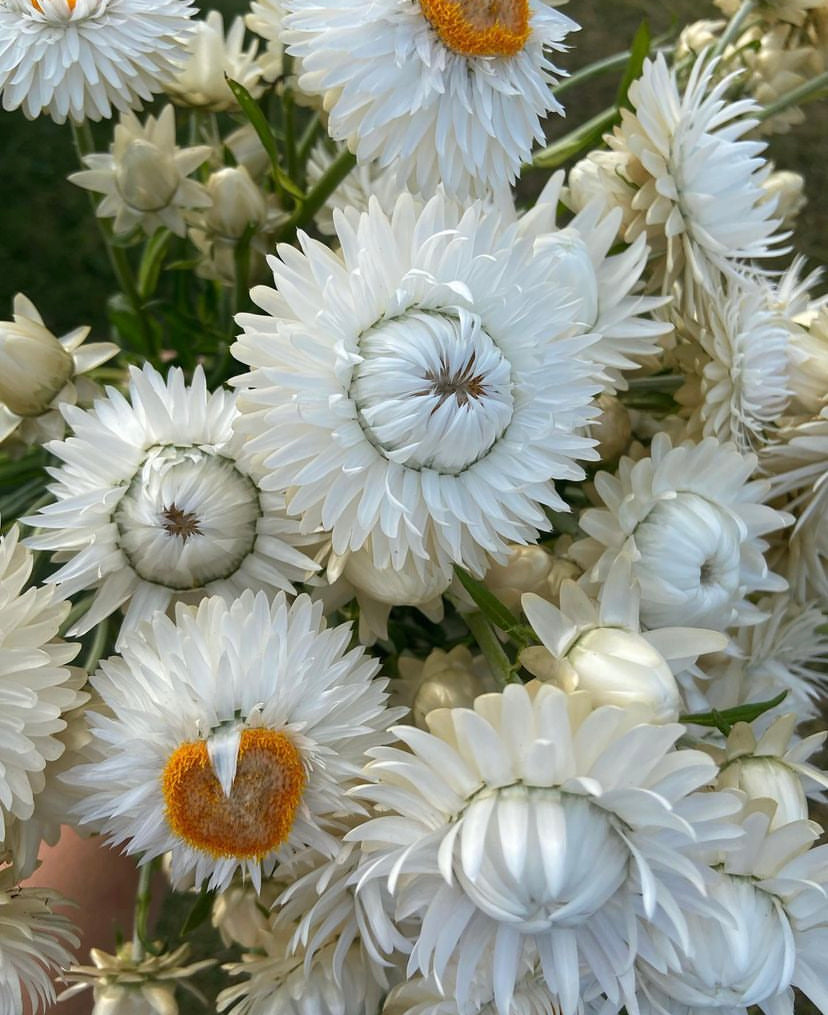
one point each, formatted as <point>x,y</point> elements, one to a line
<point>728,717</point>
<point>494,611</point>
<point>639,51</point>
<point>200,911</point>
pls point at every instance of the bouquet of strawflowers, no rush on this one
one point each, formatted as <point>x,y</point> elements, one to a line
<point>430,580</point>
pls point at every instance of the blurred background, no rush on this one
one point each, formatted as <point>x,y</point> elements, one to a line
<point>49,247</point>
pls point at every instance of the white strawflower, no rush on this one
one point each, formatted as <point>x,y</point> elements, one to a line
<point>363,182</point>
<point>210,57</point>
<point>770,767</point>
<point>153,502</point>
<point>692,520</point>
<point>603,285</point>
<point>450,93</point>
<point>738,348</point>
<point>599,647</point>
<point>233,737</point>
<point>787,651</point>
<point>81,58</point>
<point>125,985</point>
<point>772,888</point>
<point>699,194</point>
<point>419,390</point>
<point>144,176</point>
<point>420,995</point>
<point>34,945</point>
<point>36,686</point>
<point>39,372</point>
<point>539,828</point>
<point>265,19</point>
<point>798,464</point>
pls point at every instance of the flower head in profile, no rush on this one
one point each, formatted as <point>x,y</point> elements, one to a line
<point>40,372</point>
<point>695,181</point>
<point>81,58</point>
<point>451,91</point>
<point>153,502</point>
<point>144,178</point>
<point>691,519</point>
<point>422,390</point>
<point>35,945</point>
<point>231,737</point>
<point>533,828</point>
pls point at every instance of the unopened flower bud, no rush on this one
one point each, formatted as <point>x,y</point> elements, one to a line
<point>141,999</point>
<point>698,36</point>
<point>808,366</point>
<point>147,177</point>
<point>34,366</point>
<point>789,190</point>
<point>387,585</point>
<point>529,569</point>
<point>445,680</point>
<point>612,429</point>
<point>768,777</point>
<point>241,915</point>
<point>237,203</point>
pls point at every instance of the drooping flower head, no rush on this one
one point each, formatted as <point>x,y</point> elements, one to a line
<point>421,390</point>
<point>451,91</point>
<point>692,521</point>
<point>154,502</point>
<point>81,58</point>
<point>233,737</point>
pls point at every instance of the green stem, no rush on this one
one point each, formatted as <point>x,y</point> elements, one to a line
<point>734,26</point>
<point>96,649</point>
<point>309,135</point>
<point>325,186</point>
<point>805,92</point>
<point>575,141</point>
<point>143,898</point>
<point>661,382</point>
<point>503,670</point>
<point>593,70</point>
<point>291,160</point>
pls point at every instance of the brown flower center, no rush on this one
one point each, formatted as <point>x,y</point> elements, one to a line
<point>180,523</point>
<point>480,27</point>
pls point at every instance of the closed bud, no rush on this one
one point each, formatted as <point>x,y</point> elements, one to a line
<point>237,203</point>
<point>406,587</point>
<point>808,367</point>
<point>769,778</point>
<point>448,680</point>
<point>34,366</point>
<point>612,429</point>
<point>147,177</point>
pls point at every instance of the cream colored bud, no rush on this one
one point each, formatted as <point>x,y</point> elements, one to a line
<point>34,366</point>
<point>601,175</point>
<point>769,778</point>
<point>789,190</point>
<point>448,680</point>
<point>387,585</point>
<point>612,429</point>
<point>808,366</point>
<point>241,916</point>
<point>138,999</point>
<point>147,178</point>
<point>540,662</point>
<point>697,37</point>
<point>619,667</point>
<point>237,203</point>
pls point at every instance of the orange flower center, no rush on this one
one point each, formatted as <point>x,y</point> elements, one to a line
<point>258,814</point>
<point>480,27</point>
<point>69,3</point>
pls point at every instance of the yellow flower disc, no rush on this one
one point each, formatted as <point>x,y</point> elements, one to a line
<point>258,814</point>
<point>480,27</point>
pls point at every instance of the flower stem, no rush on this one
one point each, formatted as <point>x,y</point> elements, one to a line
<point>325,186</point>
<point>503,670</point>
<point>734,27</point>
<point>143,898</point>
<point>812,89</point>
<point>576,141</point>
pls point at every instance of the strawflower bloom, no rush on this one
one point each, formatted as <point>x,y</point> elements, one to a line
<point>231,737</point>
<point>421,390</point>
<point>450,92</point>
<point>81,58</point>
<point>154,503</point>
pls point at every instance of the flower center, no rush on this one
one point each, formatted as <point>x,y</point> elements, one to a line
<point>188,518</point>
<point>259,811</point>
<point>432,390</point>
<point>479,27</point>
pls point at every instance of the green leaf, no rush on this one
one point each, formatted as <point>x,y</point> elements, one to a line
<point>258,121</point>
<point>151,261</point>
<point>639,51</point>
<point>494,611</point>
<point>728,717</point>
<point>589,135</point>
<point>202,908</point>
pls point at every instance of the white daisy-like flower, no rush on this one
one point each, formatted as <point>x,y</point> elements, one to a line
<point>692,520</point>
<point>364,182</point>
<point>199,81</point>
<point>798,466</point>
<point>787,651</point>
<point>604,285</point>
<point>232,737</point>
<point>736,359</point>
<point>771,767</point>
<point>450,91</point>
<point>421,390</point>
<point>81,58</point>
<point>698,183</point>
<point>36,686</point>
<point>154,502</point>
<point>40,372</point>
<point>599,647</point>
<point>34,945</point>
<point>144,176</point>
<point>538,827</point>
<point>772,888</point>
